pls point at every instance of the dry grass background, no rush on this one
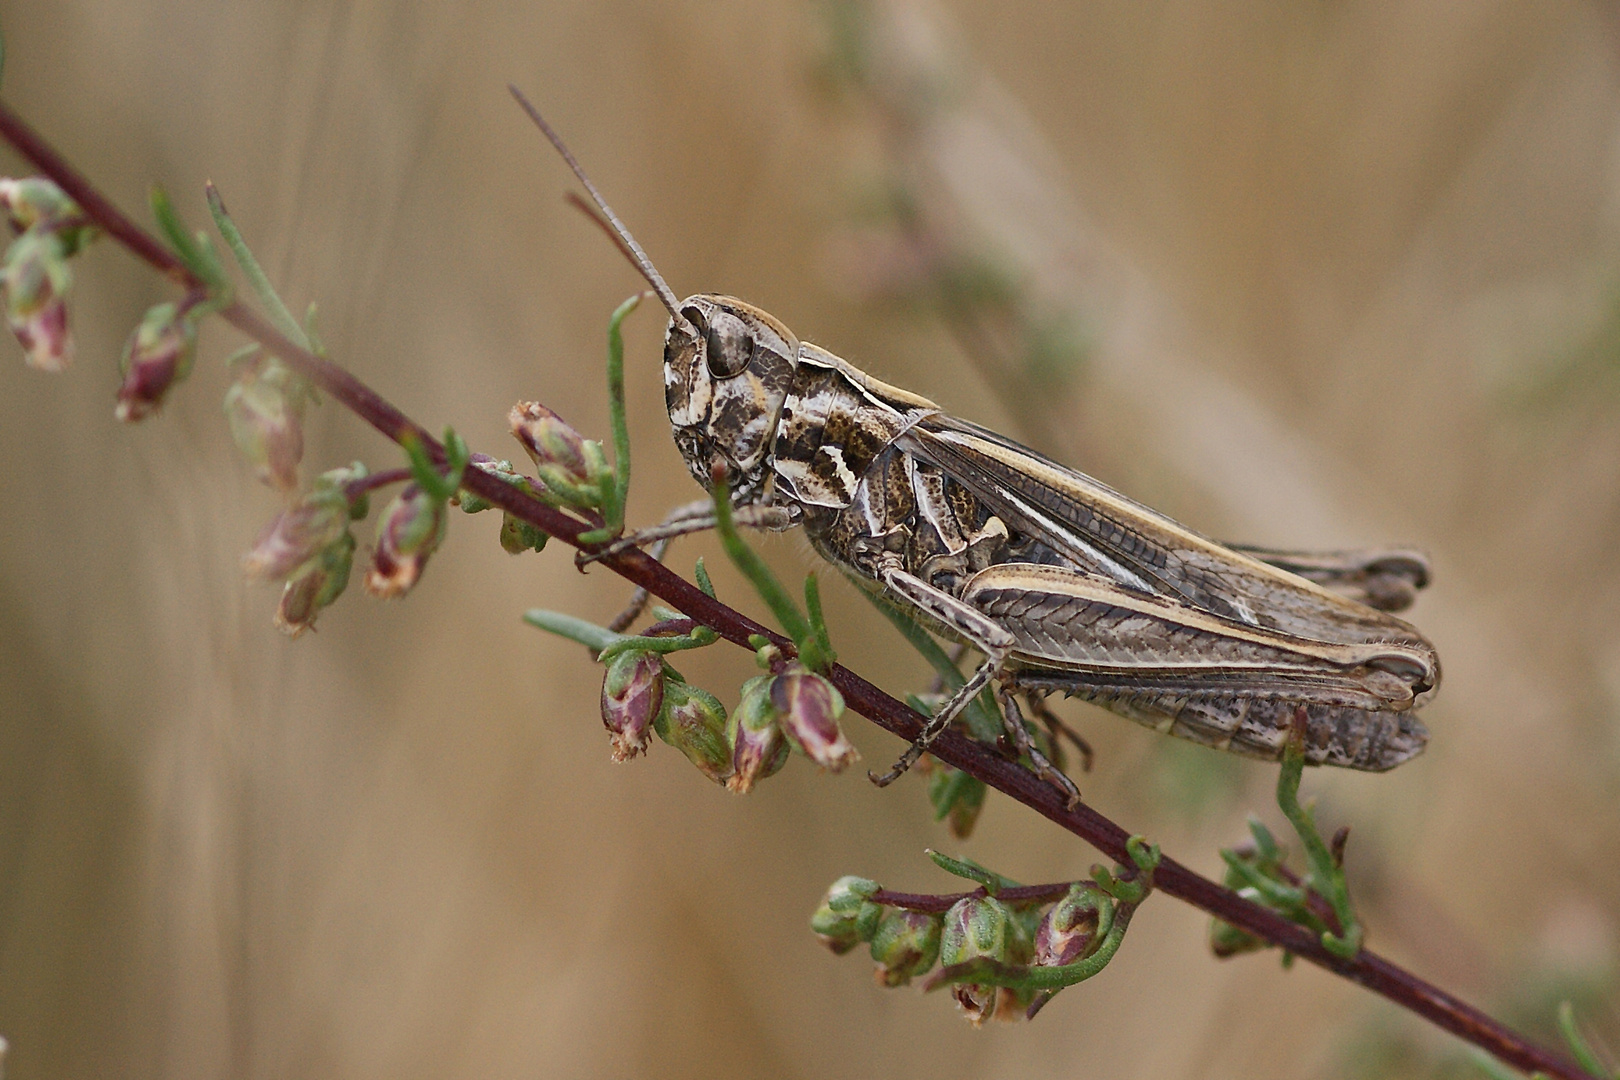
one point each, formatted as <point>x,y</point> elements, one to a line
<point>1361,286</point>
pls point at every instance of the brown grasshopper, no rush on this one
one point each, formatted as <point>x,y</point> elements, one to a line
<point>1060,582</point>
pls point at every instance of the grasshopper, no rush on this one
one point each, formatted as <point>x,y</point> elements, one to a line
<point>1061,583</point>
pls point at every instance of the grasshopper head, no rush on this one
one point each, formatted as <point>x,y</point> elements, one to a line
<point>728,366</point>
<point>726,373</point>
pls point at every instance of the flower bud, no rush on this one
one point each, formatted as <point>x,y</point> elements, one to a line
<point>694,723</point>
<point>977,926</point>
<point>632,695</point>
<point>300,534</point>
<point>158,354</point>
<point>847,915</point>
<point>265,411</point>
<point>517,535</point>
<point>758,749</point>
<point>905,945</point>
<point>316,586</point>
<point>809,707</point>
<point>408,532</point>
<point>567,463</point>
<point>35,203</point>
<point>36,279</point>
<point>1068,933</point>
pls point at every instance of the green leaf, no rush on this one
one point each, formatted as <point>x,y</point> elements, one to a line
<point>198,259</point>
<point>966,868</point>
<point>593,637</point>
<point>1577,1042</point>
<point>787,613</point>
<point>257,279</point>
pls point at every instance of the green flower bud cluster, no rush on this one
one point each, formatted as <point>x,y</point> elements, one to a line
<point>48,230</point>
<point>792,709</point>
<point>1004,950</point>
<point>265,410</point>
<point>310,548</point>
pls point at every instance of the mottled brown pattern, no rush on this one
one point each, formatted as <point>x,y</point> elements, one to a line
<point>830,434</point>
<point>1197,640</point>
<point>726,406</point>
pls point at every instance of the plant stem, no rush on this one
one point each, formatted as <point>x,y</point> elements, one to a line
<point>980,761</point>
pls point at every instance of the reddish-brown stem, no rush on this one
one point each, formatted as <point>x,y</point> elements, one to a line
<point>367,484</point>
<point>983,762</point>
<point>935,904</point>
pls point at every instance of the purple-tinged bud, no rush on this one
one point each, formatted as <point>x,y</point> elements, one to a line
<point>158,354</point>
<point>905,945</point>
<point>809,707</point>
<point>694,723</point>
<point>567,462</point>
<point>977,926</point>
<point>265,411</point>
<point>316,586</point>
<point>300,534</point>
<point>847,917</point>
<point>36,279</point>
<point>408,532</point>
<point>37,204</point>
<point>758,749</point>
<point>46,337</point>
<point>632,695</point>
<point>1068,933</point>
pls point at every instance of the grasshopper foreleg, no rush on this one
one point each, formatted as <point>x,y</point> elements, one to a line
<point>694,517</point>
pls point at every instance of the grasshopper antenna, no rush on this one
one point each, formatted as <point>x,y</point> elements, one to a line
<point>607,219</point>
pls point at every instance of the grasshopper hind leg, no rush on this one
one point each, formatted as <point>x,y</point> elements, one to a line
<point>1058,729</point>
<point>996,644</point>
<point>1013,720</point>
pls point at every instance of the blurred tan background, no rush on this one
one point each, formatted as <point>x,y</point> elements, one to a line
<point>1328,273</point>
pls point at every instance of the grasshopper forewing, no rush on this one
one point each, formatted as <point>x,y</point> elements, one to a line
<point>1063,584</point>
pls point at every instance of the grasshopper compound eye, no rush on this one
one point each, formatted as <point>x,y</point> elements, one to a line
<point>731,348</point>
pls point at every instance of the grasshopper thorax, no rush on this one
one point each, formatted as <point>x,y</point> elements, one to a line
<point>727,369</point>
